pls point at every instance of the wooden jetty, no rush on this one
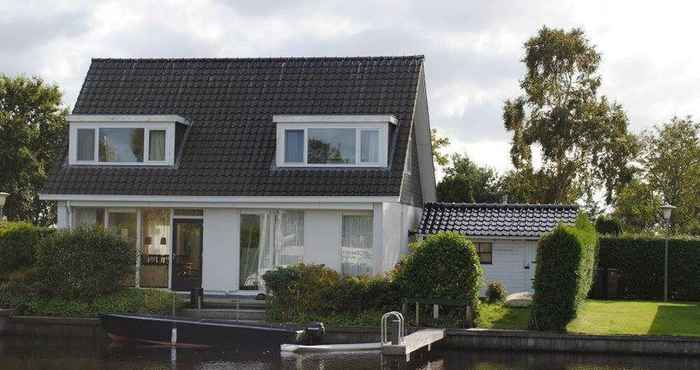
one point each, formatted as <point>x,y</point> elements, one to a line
<point>413,342</point>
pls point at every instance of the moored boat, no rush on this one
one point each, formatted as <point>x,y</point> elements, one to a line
<point>205,333</point>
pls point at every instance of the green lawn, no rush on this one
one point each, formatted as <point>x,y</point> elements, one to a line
<point>608,318</point>
<point>637,317</point>
<point>496,316</point>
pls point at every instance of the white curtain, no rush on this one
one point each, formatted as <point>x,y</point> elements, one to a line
<point>281,240</point>
<point>369,148</point>
<point>84,216</point>
<point>156,146</point>
<point>357,247</point>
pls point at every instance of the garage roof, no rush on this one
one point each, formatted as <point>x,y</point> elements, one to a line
<point>528,221</point>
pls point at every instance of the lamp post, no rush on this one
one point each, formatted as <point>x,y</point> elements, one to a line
<point>3,197</point>
<point>667,209</point>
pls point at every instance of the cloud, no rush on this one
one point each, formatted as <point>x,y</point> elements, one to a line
<point>472,48</point>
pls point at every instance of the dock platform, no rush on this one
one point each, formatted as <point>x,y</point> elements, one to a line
<point>413,342</point>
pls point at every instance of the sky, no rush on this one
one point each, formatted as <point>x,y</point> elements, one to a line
<point>473,49</point>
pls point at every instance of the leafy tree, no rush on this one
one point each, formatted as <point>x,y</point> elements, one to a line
<point>671,163</point>
<point>583,138</point>
<point>32,130</point>
<point>465,181</point>
<point>438,143</point>
<point>637,205</point>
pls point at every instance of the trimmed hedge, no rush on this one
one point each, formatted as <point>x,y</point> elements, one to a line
<point>18,243</point>
<point>564,274</point>
<point>307,292</point>
<point>83,263</point>
<point>443,266</point>
<point>640,262</point>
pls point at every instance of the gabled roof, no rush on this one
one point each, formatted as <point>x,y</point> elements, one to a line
<point>230,147</point>
<point>528,221</point>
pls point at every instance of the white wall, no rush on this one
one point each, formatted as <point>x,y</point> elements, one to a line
<point>220,252</point>
<point>397,220</point>
<point>509,260</point>
<point>322,238</point>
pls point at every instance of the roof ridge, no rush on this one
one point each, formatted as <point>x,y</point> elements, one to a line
<point>359,57</point>
<point>500,205</point>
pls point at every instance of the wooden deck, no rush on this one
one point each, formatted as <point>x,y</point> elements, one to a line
<point>414,342</point>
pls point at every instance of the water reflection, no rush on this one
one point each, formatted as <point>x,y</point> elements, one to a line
<point>63,354</point>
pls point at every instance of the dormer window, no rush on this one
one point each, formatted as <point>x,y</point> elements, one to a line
<point>124,140</point>
<point>332,141</point>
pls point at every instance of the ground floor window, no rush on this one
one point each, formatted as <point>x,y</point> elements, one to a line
<point>485,251</point>
<point>88,217</point>
<point>357,253</point>
<point>155,256</point>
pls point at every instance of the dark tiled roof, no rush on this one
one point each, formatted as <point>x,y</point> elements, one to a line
<point>230,102</point>
<point>495,220</point>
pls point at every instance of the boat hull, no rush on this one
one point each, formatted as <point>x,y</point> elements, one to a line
<point>193,333</point>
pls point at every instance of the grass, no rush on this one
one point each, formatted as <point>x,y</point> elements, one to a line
<point>637,318</point>
<point>497,316</point>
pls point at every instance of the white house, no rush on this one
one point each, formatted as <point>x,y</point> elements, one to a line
<point>505,235</point>
<point>217,170</point>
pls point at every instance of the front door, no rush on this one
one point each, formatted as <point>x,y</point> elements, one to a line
<point>187,254</point>
<point>530,266</point>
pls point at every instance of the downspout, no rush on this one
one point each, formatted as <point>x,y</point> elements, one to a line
<point>69,214</point>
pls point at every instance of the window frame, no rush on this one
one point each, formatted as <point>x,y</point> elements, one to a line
<point>147,127</point>
<point>381,129</point>
<point>477,246</point>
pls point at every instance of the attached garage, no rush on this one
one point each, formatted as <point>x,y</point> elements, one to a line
<point>505,235</point>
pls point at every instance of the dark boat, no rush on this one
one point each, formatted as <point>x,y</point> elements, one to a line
<point>205,333</point>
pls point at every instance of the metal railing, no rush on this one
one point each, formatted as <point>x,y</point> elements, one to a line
<point>401,331</point>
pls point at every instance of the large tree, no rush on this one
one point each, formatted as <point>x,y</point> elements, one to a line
<point>32,130</point>
<point>583,138</point>
<point>465,181</point>
<point>438,143</point>
<point>638,206</point>
<point>671,165</point>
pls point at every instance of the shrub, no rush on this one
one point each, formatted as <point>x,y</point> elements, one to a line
<point>18,242</point>
<point>496,292</point>
<point>605,225</point>
<point>307,292</point>
<point>564,274</point>
<point>639,260</point>
<point>83,263</point>
<point>442,266</point>
<point>130,300</point>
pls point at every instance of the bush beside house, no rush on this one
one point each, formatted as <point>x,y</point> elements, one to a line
<point>18,242</point>
<point>639,260</point>
<point>308,292</point>
<point>73,273</point>
<point>444,266</point>
<point>564,274</point>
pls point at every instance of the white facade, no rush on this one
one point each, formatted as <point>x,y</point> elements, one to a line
<point>513,264</point>
<point>322,233</point>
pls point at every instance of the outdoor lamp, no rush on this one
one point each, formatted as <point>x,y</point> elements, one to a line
<point>3,197</point>
<point>667,209</point>
<point>162,241</point>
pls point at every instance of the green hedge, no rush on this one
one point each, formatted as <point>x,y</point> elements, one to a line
<point>564,274</point>
<point>18,243</point>
<point>640,262</point>
<point>83,263</point>
<point>130,300</point>
<point>445,266</point>
<point>308,292</point>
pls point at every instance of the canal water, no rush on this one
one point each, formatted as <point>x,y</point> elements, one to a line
<point>70,354</point>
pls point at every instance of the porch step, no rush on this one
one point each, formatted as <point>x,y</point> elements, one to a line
<point>225,314</point>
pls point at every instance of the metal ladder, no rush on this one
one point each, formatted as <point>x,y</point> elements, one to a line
<point>385,331</point>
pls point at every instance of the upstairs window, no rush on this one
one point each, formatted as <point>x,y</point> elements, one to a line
<point>331,142</point>
<point>123,140</point>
